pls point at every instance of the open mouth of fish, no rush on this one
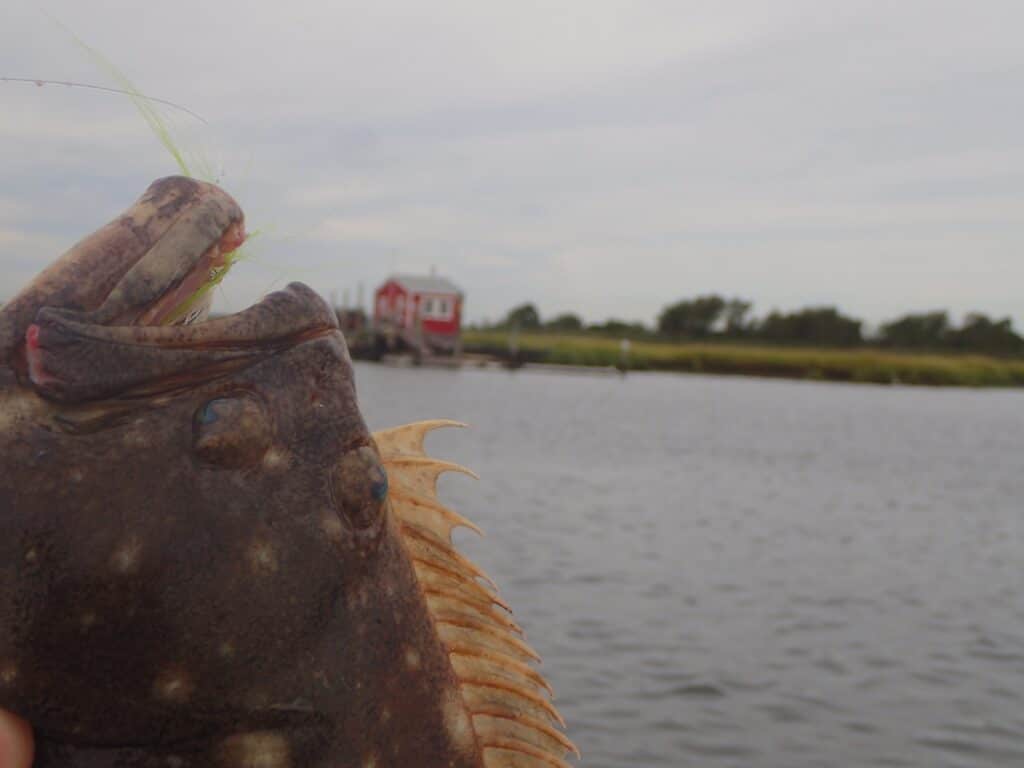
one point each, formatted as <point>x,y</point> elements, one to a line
<point>143,328</point>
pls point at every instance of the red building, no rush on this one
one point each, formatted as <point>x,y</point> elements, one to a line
<point>425,311</point>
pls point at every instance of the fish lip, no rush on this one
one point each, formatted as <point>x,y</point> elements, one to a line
<point>205,230</point>
<point>94,325</point>
<point>292,311</point>
<point>72,359</point>
<point>139,269</point>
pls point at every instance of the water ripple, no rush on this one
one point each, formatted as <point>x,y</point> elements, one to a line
<point>749,574</point>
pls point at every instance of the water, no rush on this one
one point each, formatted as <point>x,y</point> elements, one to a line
<point>737,572</point>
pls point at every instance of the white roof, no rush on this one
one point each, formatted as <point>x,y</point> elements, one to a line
<point>426,284</point>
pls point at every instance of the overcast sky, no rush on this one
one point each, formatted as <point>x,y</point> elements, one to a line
<point>598,156</point>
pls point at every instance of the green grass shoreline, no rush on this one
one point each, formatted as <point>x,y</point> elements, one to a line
<point>864,365</point>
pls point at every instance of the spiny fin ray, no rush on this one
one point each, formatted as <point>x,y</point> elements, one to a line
<point>513,753</point>
<point>420,473</point>
<point>447,580</point>
<point>495,722</point>
<point>499,666</point>
<point>461,628</point>
<point>427,514</point>
<point>514,699</point>
<point>429,547</point>
<point>508,700</point>
<point>407,440</point>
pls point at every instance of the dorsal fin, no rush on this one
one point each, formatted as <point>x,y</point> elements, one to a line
<point>509,702</point>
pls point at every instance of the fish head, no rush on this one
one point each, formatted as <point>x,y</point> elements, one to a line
<point>206,558</point>
<point>182,506</point>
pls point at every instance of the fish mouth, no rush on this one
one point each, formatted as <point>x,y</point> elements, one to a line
<point>148,331</point>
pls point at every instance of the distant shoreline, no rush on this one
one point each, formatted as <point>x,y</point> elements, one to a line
<point>859,365</point>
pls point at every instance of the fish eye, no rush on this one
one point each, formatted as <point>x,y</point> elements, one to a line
<point>379,488</point>
<point>231,431</point>
<point>208,413</point>
<point>359,487</point>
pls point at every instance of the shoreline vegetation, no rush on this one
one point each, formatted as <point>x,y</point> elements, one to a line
<point>872,365</point>
<point>715,334</point>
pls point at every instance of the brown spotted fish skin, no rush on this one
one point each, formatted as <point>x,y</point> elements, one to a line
<point>152,597</point>
<point>207,569</point>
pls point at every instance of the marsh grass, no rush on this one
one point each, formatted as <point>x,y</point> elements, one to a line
<point>859,365</point>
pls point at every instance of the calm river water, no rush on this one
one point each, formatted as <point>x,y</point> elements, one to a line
<point>738,572</point>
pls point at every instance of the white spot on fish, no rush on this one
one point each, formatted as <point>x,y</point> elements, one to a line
<point>125,558</point>
<point>76,475</point>
<point>276,459</point>
<point>457,722</point>
<point>137,439</point>
<point>331,526</point>
<point>259,749</point>
<point>31,556</point>
<point>262,557</point>
<point>412,658</point>
<point>173,685</point>
<point>8,673</point>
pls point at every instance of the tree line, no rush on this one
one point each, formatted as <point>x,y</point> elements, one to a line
<point>712,317</point>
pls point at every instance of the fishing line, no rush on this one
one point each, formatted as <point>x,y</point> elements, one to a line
<point>40,82</point>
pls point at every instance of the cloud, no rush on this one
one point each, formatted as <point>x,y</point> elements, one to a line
<point>605,157</point>
<point>14,238</point>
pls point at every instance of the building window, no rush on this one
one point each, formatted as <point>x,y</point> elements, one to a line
<point>436,308</point>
